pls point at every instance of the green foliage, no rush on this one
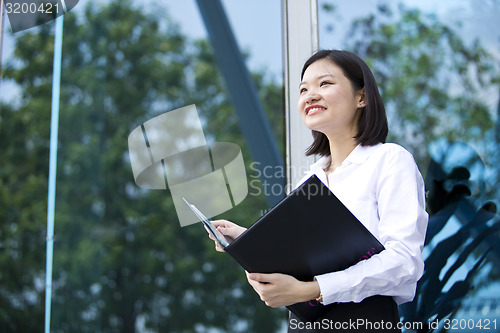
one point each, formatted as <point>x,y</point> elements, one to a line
<point>121,259</point>
<point>23,203</point>
<point>433,84</point>
<point>447,199</point>
<point>431,81</point>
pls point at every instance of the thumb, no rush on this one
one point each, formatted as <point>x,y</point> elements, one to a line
<point>259,277</point>
<point>230,231</point>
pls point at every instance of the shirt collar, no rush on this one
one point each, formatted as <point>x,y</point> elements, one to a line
<point>360,154</point>
<point>357,156</point>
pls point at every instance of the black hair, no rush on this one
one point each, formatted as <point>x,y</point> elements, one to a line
<point>372,123</point>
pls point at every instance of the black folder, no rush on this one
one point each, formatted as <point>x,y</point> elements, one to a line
<point>310,232</point>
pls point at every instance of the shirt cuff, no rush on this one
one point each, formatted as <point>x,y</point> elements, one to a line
<point>337,287</point>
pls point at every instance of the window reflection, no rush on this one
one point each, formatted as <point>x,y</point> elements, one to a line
<point>121,260</point>
<point>434,64</point>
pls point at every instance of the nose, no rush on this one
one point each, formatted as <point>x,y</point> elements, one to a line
<point>312,97</point>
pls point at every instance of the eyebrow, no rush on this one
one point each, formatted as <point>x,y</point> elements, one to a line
<point>319,78</point>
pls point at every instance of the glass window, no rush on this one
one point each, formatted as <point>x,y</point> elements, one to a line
<point>122,262</point>
<point>436,65</point>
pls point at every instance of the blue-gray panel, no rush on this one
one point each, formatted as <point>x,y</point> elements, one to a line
<point>253,121</point>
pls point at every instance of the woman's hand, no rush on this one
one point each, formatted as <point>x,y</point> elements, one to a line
<point>228,229</point>
<point>278,290</point>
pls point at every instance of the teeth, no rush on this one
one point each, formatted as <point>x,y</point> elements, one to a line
<point>315,109</point>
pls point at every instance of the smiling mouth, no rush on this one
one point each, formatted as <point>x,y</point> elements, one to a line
<point>314,110</point>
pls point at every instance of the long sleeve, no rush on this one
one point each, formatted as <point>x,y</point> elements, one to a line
<point>382,187</point>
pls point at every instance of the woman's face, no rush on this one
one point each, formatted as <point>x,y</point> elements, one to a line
<point>327,102</point>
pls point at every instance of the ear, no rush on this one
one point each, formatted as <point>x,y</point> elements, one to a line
<point>362,99</point>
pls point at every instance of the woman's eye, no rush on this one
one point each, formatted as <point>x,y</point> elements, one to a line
<point>303,90</point>
<point>324,83</point>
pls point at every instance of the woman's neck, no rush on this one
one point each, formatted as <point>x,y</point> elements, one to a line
<point>339,150</point>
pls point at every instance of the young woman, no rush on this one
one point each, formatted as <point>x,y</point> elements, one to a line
<point>380,184</point>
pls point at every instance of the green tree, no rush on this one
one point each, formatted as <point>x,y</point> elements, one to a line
<point>434,84</point>
<point>23,190</point>
<point>431,80</point>
<point>121,259</point>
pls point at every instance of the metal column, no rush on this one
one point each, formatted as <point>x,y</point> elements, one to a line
<point>253,121</point>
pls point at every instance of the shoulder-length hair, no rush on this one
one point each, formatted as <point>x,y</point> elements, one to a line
<point>372,123</point>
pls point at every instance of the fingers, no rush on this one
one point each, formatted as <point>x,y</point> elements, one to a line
<point>209,234</point>
<point>264,288</point>
<point>218,248</point>
<point>276,289</point>
<point>261,278</point>
<point>229,229</point>
<point>222,223</point>
<point>256,285</point>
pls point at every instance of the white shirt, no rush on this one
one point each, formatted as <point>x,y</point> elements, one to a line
<point>382,186</point>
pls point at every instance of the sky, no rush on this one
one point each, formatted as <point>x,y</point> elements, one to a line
<point>256,25</point>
